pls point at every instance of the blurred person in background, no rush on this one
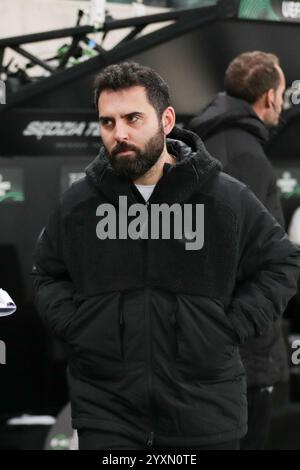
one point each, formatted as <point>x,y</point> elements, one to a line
<point>235,128</point>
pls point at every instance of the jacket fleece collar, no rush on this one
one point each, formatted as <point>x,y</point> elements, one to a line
<point>194,166</point>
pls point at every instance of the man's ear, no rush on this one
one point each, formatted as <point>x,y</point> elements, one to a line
<point>269,98</point>
<point>168,120</point>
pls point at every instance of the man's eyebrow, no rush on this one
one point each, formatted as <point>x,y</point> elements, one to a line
<point>123,115</point>
<point>133,113</point>
<point>105,117</point>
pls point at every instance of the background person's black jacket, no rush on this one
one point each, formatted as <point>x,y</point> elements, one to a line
<point>153,328</point>
<point>233,133</point>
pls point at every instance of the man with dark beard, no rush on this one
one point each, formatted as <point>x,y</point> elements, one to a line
<point>153,325</point>
<point>134,141</point>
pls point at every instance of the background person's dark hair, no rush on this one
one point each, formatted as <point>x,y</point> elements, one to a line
<point>128,74</point>
<point>251,74</point>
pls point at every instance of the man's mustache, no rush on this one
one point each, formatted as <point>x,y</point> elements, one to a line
<point>123,147</point>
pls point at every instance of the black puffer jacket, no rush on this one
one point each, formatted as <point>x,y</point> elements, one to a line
<point>234,134</point>
<point>154,328</point>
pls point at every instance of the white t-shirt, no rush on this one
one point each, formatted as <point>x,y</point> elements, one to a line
<point>146,190</point>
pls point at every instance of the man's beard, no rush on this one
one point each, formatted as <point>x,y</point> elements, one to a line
<point>132,167</point>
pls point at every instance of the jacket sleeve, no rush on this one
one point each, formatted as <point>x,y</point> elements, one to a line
<point>268,270</point>
<point>53,289</point>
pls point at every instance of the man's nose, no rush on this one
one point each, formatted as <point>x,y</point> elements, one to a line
<point>120,131</point>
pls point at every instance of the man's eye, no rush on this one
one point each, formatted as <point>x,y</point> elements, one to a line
<point>133,117</point>
<point>106,122</point>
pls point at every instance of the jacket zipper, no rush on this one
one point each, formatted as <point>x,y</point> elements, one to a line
<point>149,346</point>
<point>150,439</point>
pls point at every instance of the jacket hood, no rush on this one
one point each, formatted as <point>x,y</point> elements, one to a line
<point>226,111</point>
<point>194,166</point>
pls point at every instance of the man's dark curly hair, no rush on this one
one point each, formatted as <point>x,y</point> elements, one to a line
<point>129,74</point>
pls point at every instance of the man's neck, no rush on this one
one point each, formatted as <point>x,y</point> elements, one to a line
<point>155,173</point>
